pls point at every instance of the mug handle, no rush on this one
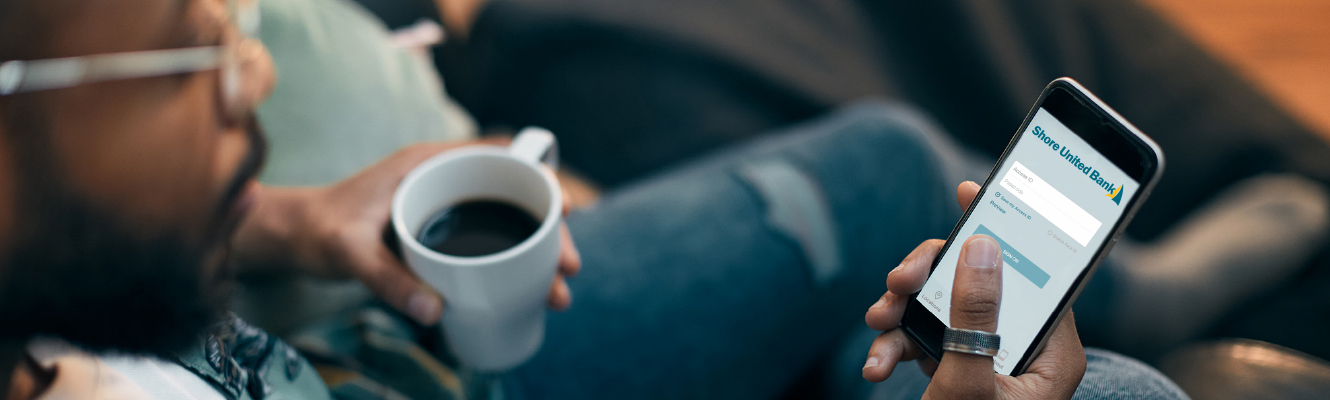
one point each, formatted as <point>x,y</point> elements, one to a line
<point>536,145</point>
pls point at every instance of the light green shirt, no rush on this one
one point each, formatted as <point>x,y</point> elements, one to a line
<point>345,97</point>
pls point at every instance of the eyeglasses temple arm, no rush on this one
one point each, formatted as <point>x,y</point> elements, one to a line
<point>26,76</point>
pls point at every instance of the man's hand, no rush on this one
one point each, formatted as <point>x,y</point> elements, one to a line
<point>458,15</point>
<point>976,296</point>
<point>337,232</point>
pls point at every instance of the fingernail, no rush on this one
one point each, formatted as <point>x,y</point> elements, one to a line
<point>880,302</point>
<point>898,268</point>
<point>981,253</point>
<point>872,362</point>
<point>424,308</point>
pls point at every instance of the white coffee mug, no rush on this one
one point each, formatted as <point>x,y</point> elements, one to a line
<point>494,313</point>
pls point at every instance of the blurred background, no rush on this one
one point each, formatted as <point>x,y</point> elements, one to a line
<point>1282,46</point>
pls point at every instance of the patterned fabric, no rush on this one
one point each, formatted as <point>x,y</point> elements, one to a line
<point>373,353</point>
<point>244,362</point>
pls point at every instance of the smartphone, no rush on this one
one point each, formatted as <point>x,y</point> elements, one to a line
<point>1062,192</point>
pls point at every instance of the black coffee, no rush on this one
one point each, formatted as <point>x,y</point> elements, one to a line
<point>477,228</point>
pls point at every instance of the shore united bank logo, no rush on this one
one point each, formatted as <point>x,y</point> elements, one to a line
<point>1114,191</point>
<point>1116,195</point>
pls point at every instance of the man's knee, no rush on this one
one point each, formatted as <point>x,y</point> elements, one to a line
<point>797,208</point>
<point>884,117</point>
<point>899,134</point>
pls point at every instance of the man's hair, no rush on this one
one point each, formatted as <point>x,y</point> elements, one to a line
<point>26,27</point>
<point>24,33</point>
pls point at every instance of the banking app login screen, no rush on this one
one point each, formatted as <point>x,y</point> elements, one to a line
<point>1053,204</point>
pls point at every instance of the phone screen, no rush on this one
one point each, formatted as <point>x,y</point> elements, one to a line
<point>1052,203</point>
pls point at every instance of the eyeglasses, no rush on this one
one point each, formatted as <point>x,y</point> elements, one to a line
<point>22,76</point>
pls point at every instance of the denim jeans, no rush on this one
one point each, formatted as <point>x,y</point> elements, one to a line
<point>734,276</point>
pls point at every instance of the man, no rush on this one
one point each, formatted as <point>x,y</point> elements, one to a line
<point>123,190</point>
<point>127,229</point>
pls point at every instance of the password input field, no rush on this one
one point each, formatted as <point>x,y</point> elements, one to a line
<point>1050,203</point>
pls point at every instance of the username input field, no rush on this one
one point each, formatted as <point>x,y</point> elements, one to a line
<point>1050,203</point>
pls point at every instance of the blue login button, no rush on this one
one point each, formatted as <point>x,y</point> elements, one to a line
<point>1015,260</point>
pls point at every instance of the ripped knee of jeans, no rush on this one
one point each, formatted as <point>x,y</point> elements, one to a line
<point>796,207</point>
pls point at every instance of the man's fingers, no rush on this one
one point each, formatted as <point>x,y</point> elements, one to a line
<point>965,193</point>
<point>388,279</point>
<point>560,297</point>
<point>570,260</point>
<point>889,348</point>
<point>886,313</point>
<point>910,275</point>
<point>567,200</point>
<point>975,297</point>
<point>906,278</point>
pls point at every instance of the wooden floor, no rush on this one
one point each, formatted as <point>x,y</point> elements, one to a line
<point>1281,45</point>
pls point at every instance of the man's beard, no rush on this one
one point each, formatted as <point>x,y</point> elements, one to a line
<point>86,275</point>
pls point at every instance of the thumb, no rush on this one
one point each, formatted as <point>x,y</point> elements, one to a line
<point>392,282</point>
<point>975,298</point>
<point>977,290</point>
